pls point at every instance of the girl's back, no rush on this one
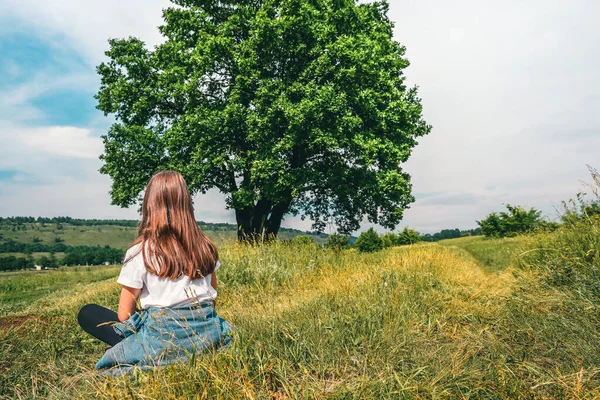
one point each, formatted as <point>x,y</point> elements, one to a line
<point>159,291</point>
<point>170,269</point>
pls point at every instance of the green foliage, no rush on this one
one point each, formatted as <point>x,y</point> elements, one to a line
<point>49,261</point>
<point>84,255</point>
<point>303,240</point>
<point>337,242</point>
<point>578,210</point>
<point>12,263</point>
<point>285,106</point>
<point>516,221</point>
<point>389,239</point>
<point>12,246</point>
<point>408,236</point>
<point>368,241</point>
<point>75,255</point>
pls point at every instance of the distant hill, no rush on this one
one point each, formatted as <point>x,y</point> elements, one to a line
<point>114,233</point>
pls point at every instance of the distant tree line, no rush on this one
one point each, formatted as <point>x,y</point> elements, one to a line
<point>12,246</point>
<point>370,241</point>
<point>87,255</point>
<point>450,234</point>
<point>75,255</point>
<point>515,221</point>
<point>12,263</point>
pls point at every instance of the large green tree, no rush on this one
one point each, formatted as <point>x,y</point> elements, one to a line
<point>285,106</point>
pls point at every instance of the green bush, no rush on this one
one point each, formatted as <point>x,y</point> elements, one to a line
<point>337,242</point>
<point>368,242</point>
<point>517,220</point>
<point>303,239</point>
<point>389,239</point>
<point>408,236</point>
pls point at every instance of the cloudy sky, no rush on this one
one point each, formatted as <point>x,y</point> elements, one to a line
<point>511,89</point>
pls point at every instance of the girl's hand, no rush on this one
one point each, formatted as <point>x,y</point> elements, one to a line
<point>127,303</point>
<point>213,283</point>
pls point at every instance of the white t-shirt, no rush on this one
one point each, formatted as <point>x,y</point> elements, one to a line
<point>164,292</point>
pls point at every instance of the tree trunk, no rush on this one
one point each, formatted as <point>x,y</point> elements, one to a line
<point>260,223</point>
<point>277,213</point>
<point>244,223</point>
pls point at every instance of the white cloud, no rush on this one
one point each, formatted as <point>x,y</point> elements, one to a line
<point>88,198</point>
<point>88,25</point>
<point>15,100</point>
<point>512,92</point>
<point>77,198</point>
<point>37,150</point>
<point>64,141</point>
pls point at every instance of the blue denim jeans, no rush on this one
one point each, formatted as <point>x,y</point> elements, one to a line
<point>159,336</point>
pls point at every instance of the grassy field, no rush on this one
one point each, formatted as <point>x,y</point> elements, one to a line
<point>455,320</point>
<point>19,290</point>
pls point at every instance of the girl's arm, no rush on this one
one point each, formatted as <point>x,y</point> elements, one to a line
<point>213,280</point>
<point>213,283</point>
<point>127,306</point>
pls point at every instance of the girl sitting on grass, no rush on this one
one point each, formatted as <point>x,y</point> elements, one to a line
<point>171,269</point>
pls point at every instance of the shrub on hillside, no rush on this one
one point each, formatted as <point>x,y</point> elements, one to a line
<point>408,236</point>
<point>517,220</point>
<point>368,242</point>
<point>389,239</point>
<point>337,242</point>
<point>302,240</point>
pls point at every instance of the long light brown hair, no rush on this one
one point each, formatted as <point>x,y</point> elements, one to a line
<point>168,233</point>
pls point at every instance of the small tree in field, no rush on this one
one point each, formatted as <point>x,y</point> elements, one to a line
<point>337,242</point>
<point>389,239</point>
<point>368,242</point>
<point>408,236</point>
<point>517,220</point>
<point>284,106</point>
